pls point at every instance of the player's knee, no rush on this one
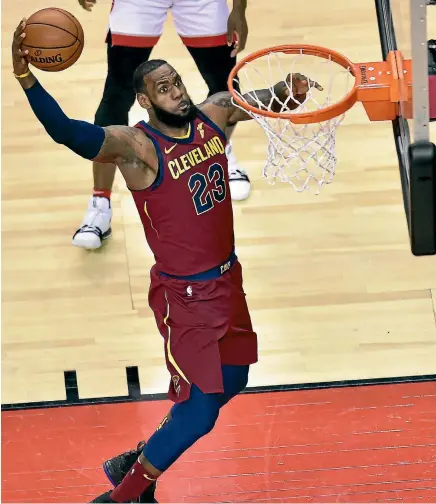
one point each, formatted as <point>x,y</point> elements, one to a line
<point>235,380</point>
<point>115,106</point>
<point>242,379</point>
<point>205,421</point>
<point>199,414</point>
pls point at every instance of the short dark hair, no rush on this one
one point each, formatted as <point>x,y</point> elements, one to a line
<point>144,69</point>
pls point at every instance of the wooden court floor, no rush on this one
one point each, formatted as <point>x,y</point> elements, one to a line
<point>333,289</point>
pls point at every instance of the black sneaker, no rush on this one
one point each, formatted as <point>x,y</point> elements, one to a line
<point>106,497</point>
<point>117,467</point>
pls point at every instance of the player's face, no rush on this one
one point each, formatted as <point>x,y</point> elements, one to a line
<point>168,97</point>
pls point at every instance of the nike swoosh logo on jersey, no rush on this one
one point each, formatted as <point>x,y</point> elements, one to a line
<point>167,151</point>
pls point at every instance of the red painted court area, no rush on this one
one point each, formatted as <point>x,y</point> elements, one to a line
<point>362,444</point>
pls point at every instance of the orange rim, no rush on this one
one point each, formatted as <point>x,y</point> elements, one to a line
<point>376,85</point>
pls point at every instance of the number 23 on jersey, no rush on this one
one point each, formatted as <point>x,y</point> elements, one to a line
<point>207,189</point>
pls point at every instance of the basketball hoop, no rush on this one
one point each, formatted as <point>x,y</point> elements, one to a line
<point>302,141</point>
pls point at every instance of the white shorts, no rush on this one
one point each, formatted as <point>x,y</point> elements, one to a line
<point>139,23</point>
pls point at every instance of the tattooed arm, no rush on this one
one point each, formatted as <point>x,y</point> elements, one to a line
<point>121,144</point>
<point>221,109</point>
<point>113,144</point>
<point>134,154</point>
<point>129,148</point>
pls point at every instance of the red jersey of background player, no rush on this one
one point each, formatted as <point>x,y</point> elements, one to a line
<point>187,213</point>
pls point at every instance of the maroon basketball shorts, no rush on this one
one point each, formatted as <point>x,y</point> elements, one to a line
<point>204,324</point>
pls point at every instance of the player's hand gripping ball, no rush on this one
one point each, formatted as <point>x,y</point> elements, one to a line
<point>53,38</point>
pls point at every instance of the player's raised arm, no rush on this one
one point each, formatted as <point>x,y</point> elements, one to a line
<point>113,144</point>
<point>220,106</point>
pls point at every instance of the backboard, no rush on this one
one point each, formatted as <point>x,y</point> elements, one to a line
<point>403,26</point>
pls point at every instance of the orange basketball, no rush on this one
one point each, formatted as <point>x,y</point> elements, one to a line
<point>54,39</point>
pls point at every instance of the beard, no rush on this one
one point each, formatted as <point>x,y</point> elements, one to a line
<point>175,120</point>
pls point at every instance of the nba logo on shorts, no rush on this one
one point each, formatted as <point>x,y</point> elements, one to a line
<point>189,291</point>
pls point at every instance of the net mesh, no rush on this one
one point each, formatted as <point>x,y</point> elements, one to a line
<point>302,155</point>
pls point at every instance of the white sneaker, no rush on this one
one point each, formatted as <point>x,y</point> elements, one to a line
<point>240,186</point>
<point>96,225</point>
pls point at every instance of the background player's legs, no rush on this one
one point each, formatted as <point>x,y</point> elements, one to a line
<point>189,421</point>
<point>202,26</point>
<point>135,27</point>
<point>118,98</point>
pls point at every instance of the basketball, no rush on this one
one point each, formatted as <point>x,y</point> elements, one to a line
<point>54,39</point>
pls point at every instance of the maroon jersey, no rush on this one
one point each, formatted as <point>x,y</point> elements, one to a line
<point>187,213</point>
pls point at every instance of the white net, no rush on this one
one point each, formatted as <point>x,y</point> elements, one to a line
<point>302,155</point>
